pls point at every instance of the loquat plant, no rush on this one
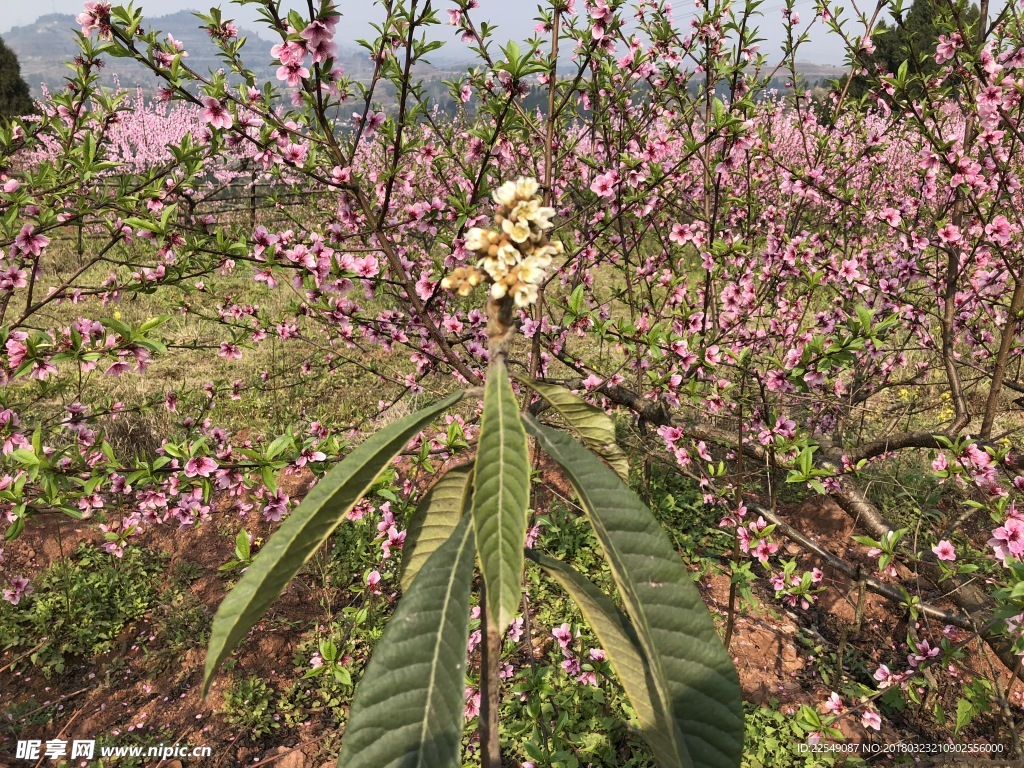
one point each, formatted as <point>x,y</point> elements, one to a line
<point>408,709</point>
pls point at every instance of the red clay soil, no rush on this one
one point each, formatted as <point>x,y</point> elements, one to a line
<point>126,690</point>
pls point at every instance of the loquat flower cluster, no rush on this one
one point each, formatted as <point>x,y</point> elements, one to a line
<point>515,255</point>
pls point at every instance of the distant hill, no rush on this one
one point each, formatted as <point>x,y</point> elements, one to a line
<point>820,71</point>
<point>44,46</point>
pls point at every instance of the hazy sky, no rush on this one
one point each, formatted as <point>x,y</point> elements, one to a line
<point>509,15</point>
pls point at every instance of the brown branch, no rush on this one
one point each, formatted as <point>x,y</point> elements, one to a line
<point>1009,335</point>
<point>970,598</point>
<point>888,591</point>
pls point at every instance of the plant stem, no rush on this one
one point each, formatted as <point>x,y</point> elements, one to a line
<point>490,658</point>
<point>500,330</point>
<point>731,621</point>
<point>1005,347</point>
<point>528,650</point>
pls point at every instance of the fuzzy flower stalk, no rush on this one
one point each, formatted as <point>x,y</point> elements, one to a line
<point>514,256</point>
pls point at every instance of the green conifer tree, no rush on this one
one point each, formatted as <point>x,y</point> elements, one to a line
<point>15,99</point>
<point>910,38</point>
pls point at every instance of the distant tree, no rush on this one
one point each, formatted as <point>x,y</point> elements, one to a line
<point>15,99</point>
<point>909,38</point>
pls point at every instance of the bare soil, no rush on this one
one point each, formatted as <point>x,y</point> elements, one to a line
<point>135,688</point>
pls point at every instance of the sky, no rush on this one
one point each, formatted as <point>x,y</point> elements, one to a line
<point>512,22</point>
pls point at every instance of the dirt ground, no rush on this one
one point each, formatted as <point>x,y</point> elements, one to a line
<point>127,690</point>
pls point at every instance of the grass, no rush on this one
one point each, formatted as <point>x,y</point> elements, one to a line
<point>80,607</point>
<point>277,393</point>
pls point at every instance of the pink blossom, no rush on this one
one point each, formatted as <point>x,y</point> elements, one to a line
<point>834,704</point>
<point>871,719</point>
<point>295,154</point>
<point>1008,539</point>
<point>96,16</point>
<point>395,539</point>
<point>944,551</point>
<point>563,635</point>
<point>604,184</point>
<point>367,266</point>
<point>30,242</point>
<point>200,466</point>
<point>229,351</point>
<point>291,52</point>
<point>472,706</point>
<point>765,549</point>
<point>309,455</point>
<point>884,677</point>
<point>216,113</point>
<point>515,630</point>
<point>19,588</point>
<point>681,234</point>
<point>924,652</point>
<point>947,47</point>
<point>950,234</point>
<point>316,33</point>
<point>849,270</point>
<point>998,230</point>
<point>276,507</point>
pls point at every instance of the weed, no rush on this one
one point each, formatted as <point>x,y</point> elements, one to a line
<point>184,572</point>
<point>250,705</point>
<point>19,715</point>
<point>776,740</point>
<point>182,621</point>
<point>80,606</point>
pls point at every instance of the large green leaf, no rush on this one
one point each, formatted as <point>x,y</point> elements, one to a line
<point>408,710</point>
<point>676,632</point>
<point>619,640</point>
<point>434,519</point>
<point>306,529</point>
<point>593,425</point>
<point>501,495</point>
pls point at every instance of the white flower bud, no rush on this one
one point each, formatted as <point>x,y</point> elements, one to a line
<point>532,270</point>
<point>525,295</point>
<point>518,231</point>
<point>506,194</point>
<point>476,239</point>
<point>526,187</point>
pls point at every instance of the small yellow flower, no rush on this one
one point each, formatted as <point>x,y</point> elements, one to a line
<point>526,187</point>
<point>519,231</point>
